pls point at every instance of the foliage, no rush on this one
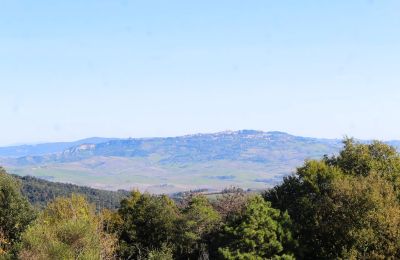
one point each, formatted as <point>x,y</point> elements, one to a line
<point>230,202</point>
<point>148,223</point>
<point>15,213</point>
<point>363,159</point>
<point>260,232</point>
<point>365,216</point>
<point>165,253</point>
<point>334,200</point>
<point>199,220</point>
<point>341,207</point>
<point>40,192</point>
<point>68,228</point>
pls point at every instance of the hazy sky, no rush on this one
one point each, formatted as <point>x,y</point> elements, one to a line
<point>71,69</point>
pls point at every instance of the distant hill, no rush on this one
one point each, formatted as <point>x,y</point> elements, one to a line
<point>245,145</point>
<point>40,192</point>
<point>46,148</point>
<point>246,158</point>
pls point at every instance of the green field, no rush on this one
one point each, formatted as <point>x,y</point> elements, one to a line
<point>147,175</point>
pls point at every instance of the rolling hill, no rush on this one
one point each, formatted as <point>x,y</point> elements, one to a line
<point>46,148</point>
<point>40,192</point>
<point>246,158</point>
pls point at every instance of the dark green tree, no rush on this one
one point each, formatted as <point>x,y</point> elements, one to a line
<point>149,224</point>
<point>199,221</point>
<point>260,232</point>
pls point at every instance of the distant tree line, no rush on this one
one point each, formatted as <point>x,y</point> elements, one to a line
<point>341,207</point>
<point>39,192</point>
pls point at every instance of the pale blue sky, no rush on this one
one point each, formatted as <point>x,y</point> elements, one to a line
<point>74,69</point>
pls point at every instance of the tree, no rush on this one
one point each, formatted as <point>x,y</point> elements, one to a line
<point>164,253</point>
<point>198,223</point>
<point>260,232</point>
<point>363,159</point>
<point>363,218</point>
<point>68,228</point>
<point>15,213</point>
<point>149,224</point>
<point>230,202</point>
<point>40,192</point>
<point>330,210</point>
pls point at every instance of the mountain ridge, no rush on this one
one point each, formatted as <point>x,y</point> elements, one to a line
<point>228,145</point>
<point>45,148</point>
<point>245,158</point>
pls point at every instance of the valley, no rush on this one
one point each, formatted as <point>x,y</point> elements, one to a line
<point>247,158</point>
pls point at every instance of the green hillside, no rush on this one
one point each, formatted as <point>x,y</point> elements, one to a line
<point>40,192</point>
<point>247,158</point>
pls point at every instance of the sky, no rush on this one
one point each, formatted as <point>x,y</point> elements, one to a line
<point>75,69</point>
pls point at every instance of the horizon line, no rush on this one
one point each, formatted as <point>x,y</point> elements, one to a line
<point>186,135</point>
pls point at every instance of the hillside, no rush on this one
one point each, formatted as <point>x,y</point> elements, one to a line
<point>247,158</point>
<point>245,145</point>
<point>40,192</point>
<point>46,148</point>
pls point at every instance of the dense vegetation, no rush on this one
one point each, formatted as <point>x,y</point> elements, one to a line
<point>15,213</point>
<point>345,206</point>
<point>39,192</point>
<point>67,229</point>
<point>340,207</point>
